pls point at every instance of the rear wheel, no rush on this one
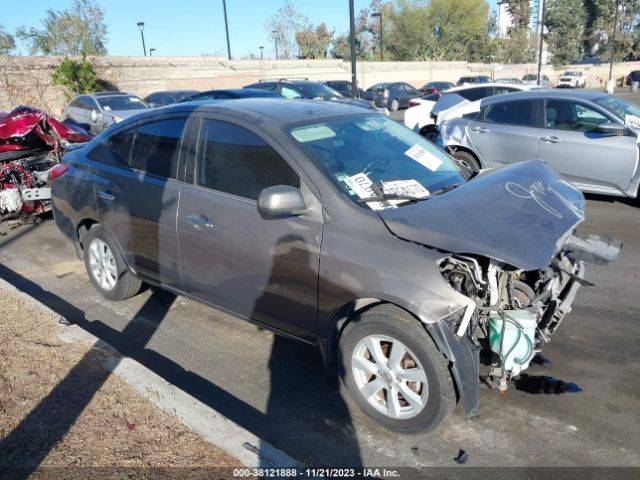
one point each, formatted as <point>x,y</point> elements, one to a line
<point>394,105</point>
<point>467,160</point>
<point>394,372</point>
<point>106,267</point>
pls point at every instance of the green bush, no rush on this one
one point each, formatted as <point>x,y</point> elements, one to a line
<point>76,77</point>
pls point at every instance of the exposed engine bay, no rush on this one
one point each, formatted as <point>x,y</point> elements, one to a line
<point>514,313</point>
<point>31,145</point>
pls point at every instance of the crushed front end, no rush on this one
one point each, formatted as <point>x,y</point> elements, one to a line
<point>516,312</point>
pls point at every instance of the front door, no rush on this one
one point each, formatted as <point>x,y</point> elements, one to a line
<point>265,269</point>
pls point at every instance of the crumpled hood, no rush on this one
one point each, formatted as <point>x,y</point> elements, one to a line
<point>520,215</point>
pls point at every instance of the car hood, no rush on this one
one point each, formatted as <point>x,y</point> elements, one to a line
<point>519,215</point>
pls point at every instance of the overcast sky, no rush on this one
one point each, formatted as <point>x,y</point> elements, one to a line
<point>188,27</point>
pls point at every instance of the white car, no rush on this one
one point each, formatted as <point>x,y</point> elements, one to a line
<point>423,113</point>
<point>572,79</point>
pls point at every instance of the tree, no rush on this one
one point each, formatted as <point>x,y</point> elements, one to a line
<point>282,27</point>
<point>314,42</point>
<point>441,30</point>
<point>565,21</point>
<point>76,77</point>
<point>520,11</point>
<point>7,42</point>
<point>521,43</point>
<point>78,30</point>
<point>341,47</point>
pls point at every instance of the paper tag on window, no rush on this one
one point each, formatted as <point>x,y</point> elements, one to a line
<point>408,188</point>
<point>632,121</point>
<point>361,185</point>
<point>424,157</point>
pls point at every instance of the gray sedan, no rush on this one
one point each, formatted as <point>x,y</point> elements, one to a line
<point>589,138</point>
<point>101,110</point>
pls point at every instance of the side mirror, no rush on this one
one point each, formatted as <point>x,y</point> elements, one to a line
<point>611,128</point>
<point>94,115</point>
<point>281,201</point>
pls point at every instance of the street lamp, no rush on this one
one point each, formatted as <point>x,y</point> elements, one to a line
<point>226,27</point>
<point>275,39</point>
<point>613,41</point>
<point>151,50</point>
<point>379,15</point>
<point>352,41</point>
<point>261,53</point>
<point>541,46</point>
<point>141,27</point>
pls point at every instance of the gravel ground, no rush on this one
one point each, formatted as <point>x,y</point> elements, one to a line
<point>61,407</point>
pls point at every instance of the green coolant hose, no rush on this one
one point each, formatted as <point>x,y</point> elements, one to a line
<point>506,318</point>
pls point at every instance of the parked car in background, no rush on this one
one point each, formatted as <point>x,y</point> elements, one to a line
<point>572,79</point>
<point>532,79</point>
<point>393,95</point>
<point>581,135</point>
<point>308,89</point>
<point>435,87</point>
<point>370,93</point>
<point>508,80</point>
<point>423,113</point>
<point>343,87</point>
<point>633,76</point>
<point>101,110</point>
<point>469,80</point>
<point>231,94</point>
<point>159,99</point>
<point>274,198</point>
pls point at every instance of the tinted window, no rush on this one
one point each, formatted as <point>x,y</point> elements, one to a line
<point>234,160</point>
<point>521,112</point>
<point>474,94</point>
<point>156,147</point>
<point>122,102</point>
<point>115,149</point>
<point>567,115</point>
<point>501,90</point>
<point>289,92</point>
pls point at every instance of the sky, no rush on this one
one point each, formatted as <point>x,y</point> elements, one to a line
<point>187,27</point>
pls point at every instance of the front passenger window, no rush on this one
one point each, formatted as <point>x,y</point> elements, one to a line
<point>567,115</point>
<point>234,160</point>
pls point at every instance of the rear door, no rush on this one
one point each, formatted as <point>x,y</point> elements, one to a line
<point>265,269</point>
<point>572,147</point>
<point>507,131</point>
<point>138,199</point>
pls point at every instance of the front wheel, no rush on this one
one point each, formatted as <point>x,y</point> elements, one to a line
<point>467,160</point>
<point>394,105</point>
<point>394,372</point>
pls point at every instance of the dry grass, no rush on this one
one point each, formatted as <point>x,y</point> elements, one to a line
<point>60,407</point>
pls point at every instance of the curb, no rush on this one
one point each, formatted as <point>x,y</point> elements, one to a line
<point>248,448</point>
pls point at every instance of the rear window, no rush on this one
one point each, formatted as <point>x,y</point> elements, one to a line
<point>474,94</point>
<point>156,147</point>
<point>520,112</point>
<point>114,150</point>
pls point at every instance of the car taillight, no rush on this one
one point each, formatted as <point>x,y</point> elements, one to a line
<point>413,104</point>
<point>57,171</point>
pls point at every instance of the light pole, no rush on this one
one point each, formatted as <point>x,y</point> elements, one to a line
<point>261,53</point>
<point>613,39</point>
<point>151,50</point>
<point>541,46</point>
<point>275,39</point>
<point>379,15</point>
<point>226,27</point>
<point>141,27</point>
<point>352,41</point>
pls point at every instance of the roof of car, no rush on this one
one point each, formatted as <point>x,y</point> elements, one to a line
<point>107,94</point>
<point>257,110</point>
<point>239,93</point>
<point>576,95</point>
<point>493,84</point>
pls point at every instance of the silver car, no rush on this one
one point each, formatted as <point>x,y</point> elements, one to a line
<point>589,138</point>
<point>101,110</point>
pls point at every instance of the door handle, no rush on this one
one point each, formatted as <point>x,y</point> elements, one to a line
<point>551,139</point>
<point>199,221</point>
<point>108,196</point>
<point>480,129</point>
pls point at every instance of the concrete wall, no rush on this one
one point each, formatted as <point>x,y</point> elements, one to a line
<point>26,80</point>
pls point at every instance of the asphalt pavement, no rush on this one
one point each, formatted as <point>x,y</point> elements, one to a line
<point>582,407</point>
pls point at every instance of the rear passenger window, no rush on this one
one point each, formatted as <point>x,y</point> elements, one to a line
<point>233,160</point>
<point>114,150</point>
<point>474,94</point>
<point>521,112</point>
<point>156,147</point>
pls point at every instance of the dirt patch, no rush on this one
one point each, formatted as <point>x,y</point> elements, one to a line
<point>61,407</point>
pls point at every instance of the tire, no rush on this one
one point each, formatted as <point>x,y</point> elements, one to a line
<point>467,160</point>
<point>431,135</point>
<point>394,105</point>
<point>106,267</point>
<point>387,326</point>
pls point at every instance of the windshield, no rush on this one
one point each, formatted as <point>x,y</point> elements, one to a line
<point>530,77</point>
<point>121,102</point>
<point>366,155</point>
<point>617,106</point>
<point>571,74</point>
<point>318,90</point>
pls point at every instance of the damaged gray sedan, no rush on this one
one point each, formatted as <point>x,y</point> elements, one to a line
<point>342,229</point>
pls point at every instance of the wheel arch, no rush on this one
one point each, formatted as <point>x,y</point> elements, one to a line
<point>460,148</point>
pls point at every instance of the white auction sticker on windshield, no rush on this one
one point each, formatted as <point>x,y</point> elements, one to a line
<point>361,185</point>
<point>405,188</point>
<point>424,157</point>
<point>632,121</point>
